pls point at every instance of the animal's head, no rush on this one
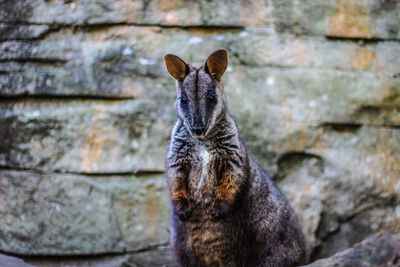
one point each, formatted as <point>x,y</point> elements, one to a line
<point>201,101</point>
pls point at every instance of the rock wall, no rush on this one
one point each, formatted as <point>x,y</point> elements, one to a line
<point>86,111</point>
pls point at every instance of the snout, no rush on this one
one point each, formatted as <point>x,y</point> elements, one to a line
<point>198,130</point>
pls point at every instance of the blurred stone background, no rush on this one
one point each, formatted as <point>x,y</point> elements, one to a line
<point>87,107</point>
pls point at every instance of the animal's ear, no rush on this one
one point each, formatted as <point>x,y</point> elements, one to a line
<point>216,63</point>
<point>176,67</point>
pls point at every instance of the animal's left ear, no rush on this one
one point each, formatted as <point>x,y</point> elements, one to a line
<point>216,64</point>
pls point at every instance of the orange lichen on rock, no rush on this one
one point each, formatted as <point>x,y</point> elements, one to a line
<point>361,59</point>
<point>91,151</point>
<point>170,5</point>
<point>351,20</point>
<point>254,14</point>
<point>177,12</point>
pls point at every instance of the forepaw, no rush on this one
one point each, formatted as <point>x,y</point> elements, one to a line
<point>183,209</point>
<point>220,208</point>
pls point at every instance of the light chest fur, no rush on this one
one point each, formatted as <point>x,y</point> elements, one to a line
<point>203,179</point>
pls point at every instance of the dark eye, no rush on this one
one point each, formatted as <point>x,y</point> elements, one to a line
<point>212,96</point>
<point>184,99</point>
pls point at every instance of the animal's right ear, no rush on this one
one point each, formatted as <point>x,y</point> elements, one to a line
<point>176,67</point>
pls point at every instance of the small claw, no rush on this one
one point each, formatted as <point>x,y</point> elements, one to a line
<point>219,208</point>
<point>183,210</point>
<point>184,214</point>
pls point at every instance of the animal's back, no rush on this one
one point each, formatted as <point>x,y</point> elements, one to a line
<point>277,236</point>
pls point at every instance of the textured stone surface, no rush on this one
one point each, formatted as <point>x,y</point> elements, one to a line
<point>356,19</point>
<point>84,136</point>
<point>157,256</point>
<point>378,250</point>
<point>55,214</point>
<point>22,32</point>
<point>8,261</point>
<point>79,261</point>
<point>130,135</point>
<point>342,189</point>
<point>86,110</point>
<point>127,61</point>
<point>160,256</point>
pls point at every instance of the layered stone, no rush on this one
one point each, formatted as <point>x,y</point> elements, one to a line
<point>126,61</point>
<point>339,18</point>
<point>60,214</point>
<point>87,108</point>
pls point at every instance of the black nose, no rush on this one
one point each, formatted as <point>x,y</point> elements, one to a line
<point>198,130</point>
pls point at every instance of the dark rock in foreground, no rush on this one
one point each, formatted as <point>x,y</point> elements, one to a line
<point>378,250</point>
<point>8,261</point>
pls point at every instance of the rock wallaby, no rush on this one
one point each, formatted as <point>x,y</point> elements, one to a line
<point>226,211</point>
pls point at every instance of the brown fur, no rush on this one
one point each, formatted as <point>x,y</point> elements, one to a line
<point>226,210</point>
